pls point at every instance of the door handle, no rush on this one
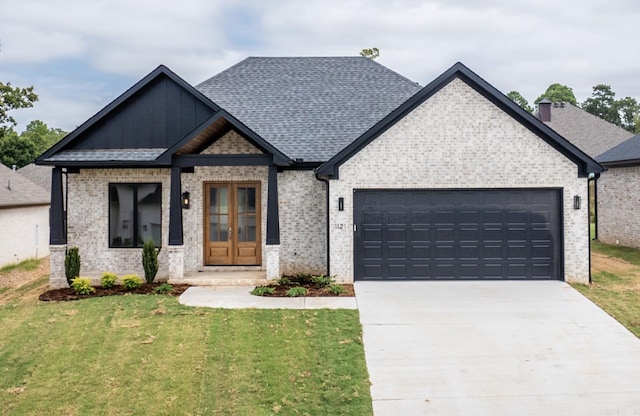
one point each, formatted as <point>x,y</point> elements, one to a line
<point>229,234</point>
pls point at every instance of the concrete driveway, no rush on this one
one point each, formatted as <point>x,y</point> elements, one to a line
<point>495,348</point>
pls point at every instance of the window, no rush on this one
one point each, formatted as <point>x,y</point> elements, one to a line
<point>135,214</point>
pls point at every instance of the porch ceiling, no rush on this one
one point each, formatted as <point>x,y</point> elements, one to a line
<point>212,132</point>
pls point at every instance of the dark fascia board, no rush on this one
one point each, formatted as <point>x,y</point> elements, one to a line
<point>585,163</point>
<point>621,163</point>
<point>159,71</point>
<point>107,164</point>
<point>279,158</point>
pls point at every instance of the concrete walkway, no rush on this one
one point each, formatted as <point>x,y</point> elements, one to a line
<point>495,348</point>
<point>238,297</point>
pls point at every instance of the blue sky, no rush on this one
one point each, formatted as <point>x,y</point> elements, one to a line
<point>79,55</point>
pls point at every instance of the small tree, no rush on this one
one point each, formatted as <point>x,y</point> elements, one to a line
<point>72,264</point>
<point>150,260</point>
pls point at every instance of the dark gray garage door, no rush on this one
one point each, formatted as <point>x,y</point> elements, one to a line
<point>457,234</point>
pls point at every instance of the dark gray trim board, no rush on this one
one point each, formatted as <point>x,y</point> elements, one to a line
<point>175,209</point>
<point>273,216</point>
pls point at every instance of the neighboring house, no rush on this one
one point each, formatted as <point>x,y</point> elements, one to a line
<point>589,133</point>
<point>24,218</point>
<point>40,175</point>
<point>321,165</point>
<point>619,194</point>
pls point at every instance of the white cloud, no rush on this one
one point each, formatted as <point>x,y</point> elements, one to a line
<point>514,45</point>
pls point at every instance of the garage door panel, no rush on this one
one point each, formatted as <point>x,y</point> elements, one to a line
<point>458,234</point>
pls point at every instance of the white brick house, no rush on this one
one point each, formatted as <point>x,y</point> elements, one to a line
<point>619,195</point>
<point>322,165</point>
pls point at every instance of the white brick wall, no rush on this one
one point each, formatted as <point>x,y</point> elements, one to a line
<point>458,139</point>
<point>303,230</point>
<point>618,202</point>
<point>193,218</point>
<point>301,206</point>
<point>88,219</point>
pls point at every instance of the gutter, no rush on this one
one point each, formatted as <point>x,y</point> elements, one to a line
<point>326,181</point>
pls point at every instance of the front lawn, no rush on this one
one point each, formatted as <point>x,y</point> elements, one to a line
<point>147,354</point>
<point>615,272</point>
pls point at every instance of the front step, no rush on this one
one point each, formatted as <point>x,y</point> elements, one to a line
<point>225,278</point>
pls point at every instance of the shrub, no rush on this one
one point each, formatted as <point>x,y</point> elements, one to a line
<point>336,289</point>
<point>131,281</point>
<point>262,290</point>
<point>108,280</point>
<point>72,264</point>
<point>322,281</point>
<point>150,260</point>
<point>163,288</point>
<point>283,281</point>
<point>302,278</point>
<point>82,286</point>
<point>296,291</point>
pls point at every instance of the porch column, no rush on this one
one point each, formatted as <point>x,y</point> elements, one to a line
<point>57,233</point>
<point>175,209</point>
<point>273,226</point>
<point>273,218</point>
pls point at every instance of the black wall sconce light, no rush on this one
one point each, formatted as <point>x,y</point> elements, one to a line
<point>186,202</point>
<point>341,204</point>
<point>576,202</point>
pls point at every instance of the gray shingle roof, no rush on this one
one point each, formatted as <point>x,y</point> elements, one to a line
<point>16,190</point>
<point>626,151</point>
<point>106,155</point>
<point>591,134</point>
<point>309,107</point>
<point>40,175</point>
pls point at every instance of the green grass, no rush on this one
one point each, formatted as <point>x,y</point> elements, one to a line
<point>29,264</point>
<point>628,254</point>
<point>617,292</point>
<point>136,354</point>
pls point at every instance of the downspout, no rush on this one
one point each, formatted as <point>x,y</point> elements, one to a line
<point>65,194</point>
<point>326,181</point>
<point>595,178</point>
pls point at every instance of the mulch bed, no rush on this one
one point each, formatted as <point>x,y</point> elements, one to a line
<point>69,294</point>
<point>312,290</point>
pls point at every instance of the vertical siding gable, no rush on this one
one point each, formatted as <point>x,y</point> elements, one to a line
<point>157,116</point>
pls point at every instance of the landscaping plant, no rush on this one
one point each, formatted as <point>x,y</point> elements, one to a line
<point>82,286</point>
<point>72,264</point>
<point>108,280</point>
<point>131,281</point>
<point>150,260</point>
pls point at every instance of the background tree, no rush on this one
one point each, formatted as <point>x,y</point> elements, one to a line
<point>602,104</point>
<point>13,98</point>
<point>623,112</point>
<point>41,135</point>
<point>558,93</point>
<point>516,97</point>
<point>16,151</point>
<point>629,111</point>
<point>372,53</point>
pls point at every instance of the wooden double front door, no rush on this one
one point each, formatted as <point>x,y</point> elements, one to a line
<point>232,223</point>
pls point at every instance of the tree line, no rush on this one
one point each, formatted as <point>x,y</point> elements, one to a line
<point>623,112</point>
<point>23,148</point>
